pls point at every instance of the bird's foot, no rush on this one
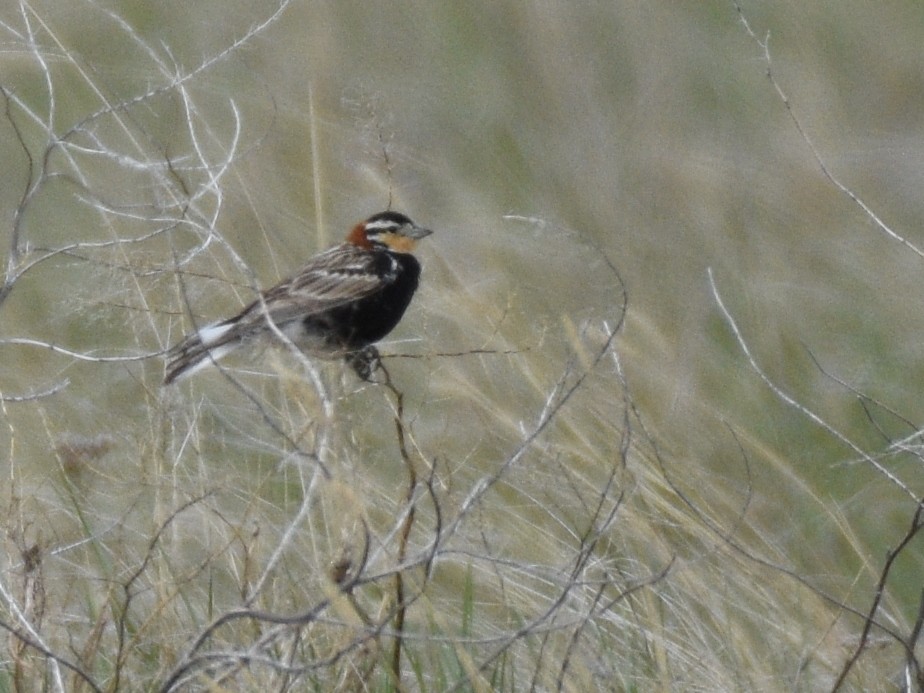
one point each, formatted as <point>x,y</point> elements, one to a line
<point>365,362</point>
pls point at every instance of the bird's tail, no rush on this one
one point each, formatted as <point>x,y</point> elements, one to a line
<point>201,349</point>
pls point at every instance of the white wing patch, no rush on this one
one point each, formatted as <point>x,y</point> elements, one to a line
<point>213,333</point>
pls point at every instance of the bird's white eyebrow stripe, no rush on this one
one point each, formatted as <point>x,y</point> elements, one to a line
<point>381,224</point>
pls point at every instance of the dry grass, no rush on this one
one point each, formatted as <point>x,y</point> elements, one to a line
<point>595,467</point>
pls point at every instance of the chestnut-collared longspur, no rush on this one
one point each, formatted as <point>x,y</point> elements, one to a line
<point>339,304</point>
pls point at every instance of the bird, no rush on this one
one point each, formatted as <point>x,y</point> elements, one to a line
<point>338,304</point>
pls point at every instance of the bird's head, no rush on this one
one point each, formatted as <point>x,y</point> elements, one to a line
<point>388,230</point>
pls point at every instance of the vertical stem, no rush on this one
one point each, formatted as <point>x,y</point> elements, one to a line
<point>401,609</point>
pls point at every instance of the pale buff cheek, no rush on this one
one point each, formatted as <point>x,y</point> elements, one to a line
<point>399,243</point>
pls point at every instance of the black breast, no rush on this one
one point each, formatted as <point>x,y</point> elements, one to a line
<point>371,318</point>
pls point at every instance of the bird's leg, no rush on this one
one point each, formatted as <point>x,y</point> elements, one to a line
<point>365,362</point>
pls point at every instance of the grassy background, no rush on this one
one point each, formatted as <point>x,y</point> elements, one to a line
<point>672,524</point>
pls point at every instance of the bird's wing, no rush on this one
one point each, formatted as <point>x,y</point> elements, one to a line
<point>337,276</point>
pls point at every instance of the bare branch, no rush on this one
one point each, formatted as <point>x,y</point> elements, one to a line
<point>792,403</point>
<point>825,170</point>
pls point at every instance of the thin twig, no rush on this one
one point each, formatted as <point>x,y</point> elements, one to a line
<point>916,525</point>
<point>405,532</point>
<point>792,402</point>
<point>825,170</point>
